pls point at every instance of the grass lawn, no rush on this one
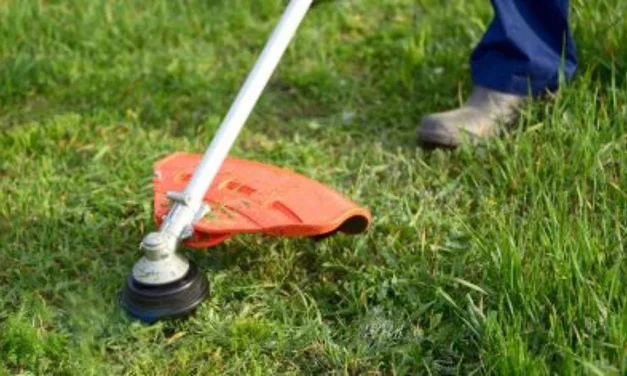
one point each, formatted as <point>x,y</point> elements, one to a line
<point>505,259</point>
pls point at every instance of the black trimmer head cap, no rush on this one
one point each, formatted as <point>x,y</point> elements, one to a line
<point>150,303</point>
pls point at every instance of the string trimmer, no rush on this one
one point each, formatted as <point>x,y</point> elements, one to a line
<point>202,201</point>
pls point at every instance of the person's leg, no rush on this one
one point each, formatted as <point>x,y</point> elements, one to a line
<point>522,54</point>
<point>525,48</point>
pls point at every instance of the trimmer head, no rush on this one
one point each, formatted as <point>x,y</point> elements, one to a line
<point>252,197</point>
<point>150,303</point>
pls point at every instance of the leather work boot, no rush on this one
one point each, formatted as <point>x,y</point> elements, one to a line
<point>485,114</point>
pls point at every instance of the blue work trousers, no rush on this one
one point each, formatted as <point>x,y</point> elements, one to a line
<point>526,49</point>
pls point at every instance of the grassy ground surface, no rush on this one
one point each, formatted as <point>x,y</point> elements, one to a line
<point>505,259</point>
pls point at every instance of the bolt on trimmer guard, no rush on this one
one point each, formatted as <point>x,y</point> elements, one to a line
<point>204,200</point>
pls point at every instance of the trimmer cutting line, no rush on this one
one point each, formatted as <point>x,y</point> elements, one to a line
<point>204,200</point>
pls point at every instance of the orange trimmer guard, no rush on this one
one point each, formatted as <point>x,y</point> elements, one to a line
<point>251,197</point>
